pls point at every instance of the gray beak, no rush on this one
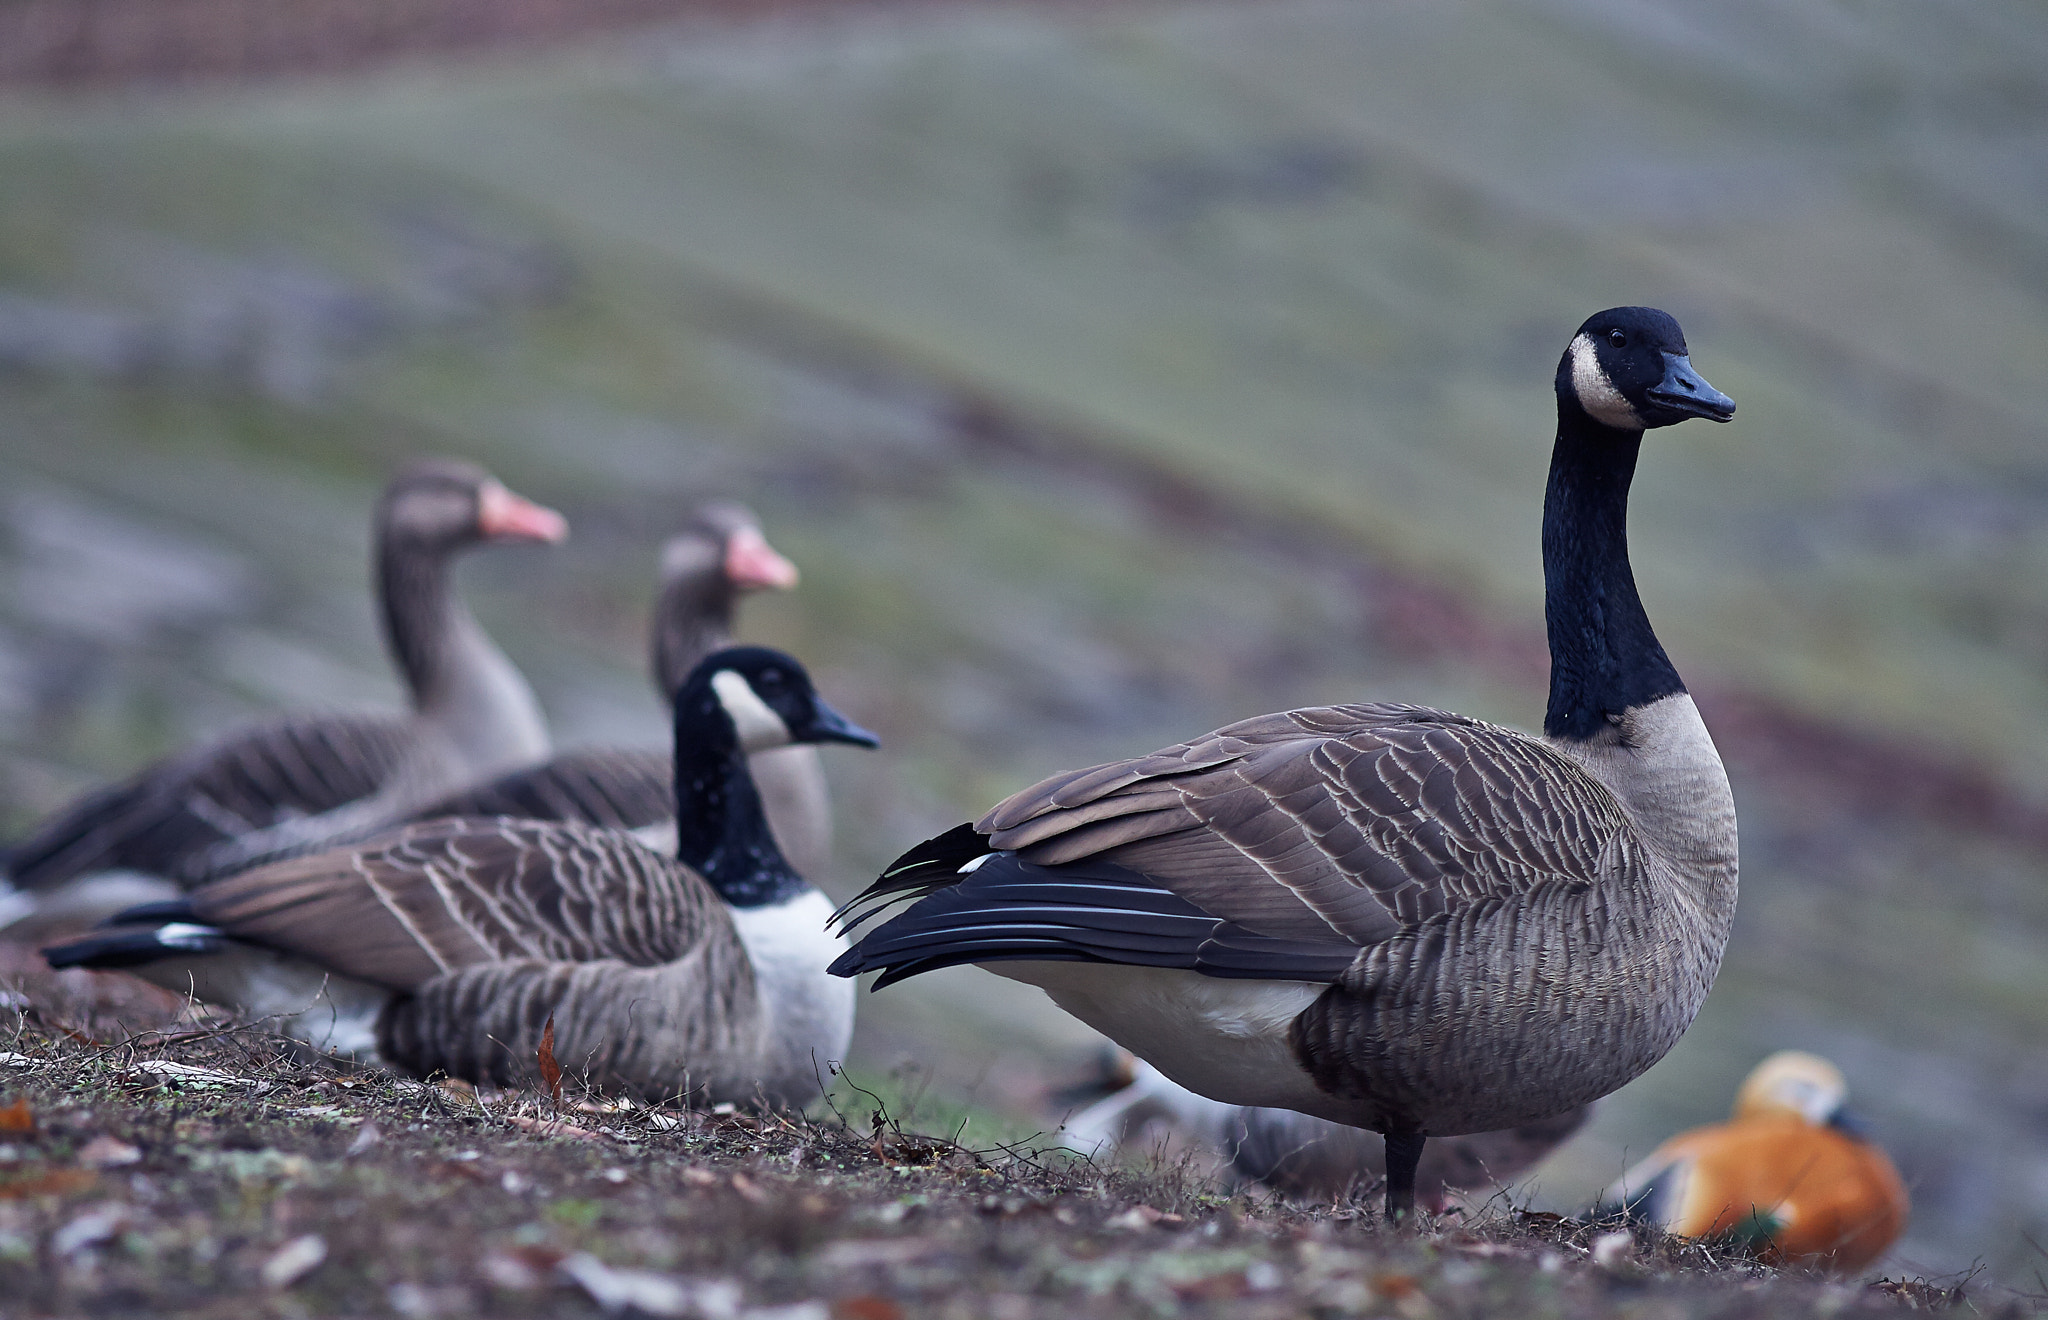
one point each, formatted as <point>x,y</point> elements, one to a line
<point>1686,392</point>
<point>830,726</point>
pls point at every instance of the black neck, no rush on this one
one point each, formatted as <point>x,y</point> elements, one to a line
<point>721,828</point>
<point>1604,658</point>
<point>692,619</point>
<point>419,614</point>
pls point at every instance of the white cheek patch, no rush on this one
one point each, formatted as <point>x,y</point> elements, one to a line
<point>1597,395</point>
<point>759,728</point>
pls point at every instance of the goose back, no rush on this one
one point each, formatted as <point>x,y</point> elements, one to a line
<point>170,819</point>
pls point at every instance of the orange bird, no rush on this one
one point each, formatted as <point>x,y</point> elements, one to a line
<point>1788,1174</point>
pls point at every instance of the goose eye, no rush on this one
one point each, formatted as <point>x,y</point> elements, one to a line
<point>1617,338</point>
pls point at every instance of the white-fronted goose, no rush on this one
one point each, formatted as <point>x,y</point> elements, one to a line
<point>448,945</point>
<point>720,557</point>
<point>304,780</point>
<point>1312,1158</point>
<point>1382,915</point>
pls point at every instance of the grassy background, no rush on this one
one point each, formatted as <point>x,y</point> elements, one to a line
<point>1111,377</point>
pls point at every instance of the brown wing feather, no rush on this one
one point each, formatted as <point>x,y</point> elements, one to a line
<point>1349,822</point>
<point>450,894</point>
<point>168,818</point>
<point>621,788</point>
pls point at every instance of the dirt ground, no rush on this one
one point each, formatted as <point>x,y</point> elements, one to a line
<point>209,1172</point>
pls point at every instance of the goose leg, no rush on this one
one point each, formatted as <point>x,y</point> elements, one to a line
<point>1404,1152</point>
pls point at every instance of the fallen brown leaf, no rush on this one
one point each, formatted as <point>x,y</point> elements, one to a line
<point>867,1306</point>
<point>554,1127</point>
<point>550,1071</point>
<point>18,1117</point>
<point>45,1182</point>
<point>105,1152</point>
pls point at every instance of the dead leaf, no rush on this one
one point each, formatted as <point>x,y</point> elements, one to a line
<point>554,1127</point>
<point>550,1071</point>
<point>867,1306</point>
<point>1214,1288</point>
<point>1613,1250</point>
<point>17,1118</point>
<point>97,1225</point>
<point>521,1269</point>
<point>105,1152</point>
<point>649,1293</point>
<point>45,1182</point>
<point>852,1253</point>
<point>294,1261</point>
<point>465,1169</point>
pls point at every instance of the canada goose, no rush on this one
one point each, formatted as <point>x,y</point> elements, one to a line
<point>308,779</point>
<point>718,558</point>
<point>1313,1158</point>
<point>1789,1175</point>
<point>1385,915</point>
<point>448,945</point>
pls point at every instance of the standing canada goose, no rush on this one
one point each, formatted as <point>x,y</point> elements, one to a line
<point>448,946</point>
<point>718,558</point>
<point>1384,915</point>
<point>1790,1175</point>
<point>305,780</point>
<point>1312,1158</point>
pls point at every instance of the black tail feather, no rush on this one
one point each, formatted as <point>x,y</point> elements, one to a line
<point>929,866</point>
<point>137,946</point>
<point>1009,909</point>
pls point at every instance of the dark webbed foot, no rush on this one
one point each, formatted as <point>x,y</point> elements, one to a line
<point>1404,1152</point>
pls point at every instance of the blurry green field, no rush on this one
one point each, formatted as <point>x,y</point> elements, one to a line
<point>1312,261</point>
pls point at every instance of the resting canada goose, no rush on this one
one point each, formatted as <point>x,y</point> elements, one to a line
<point>1313,1158</point>
<point>719,557</point>
<point>1384,915</point>
<point>308,779</point>
<point>1789,1175</point>
<point>448,945</point>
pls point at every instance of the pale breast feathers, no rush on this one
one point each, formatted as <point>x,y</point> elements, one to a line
<point>1349,821</point>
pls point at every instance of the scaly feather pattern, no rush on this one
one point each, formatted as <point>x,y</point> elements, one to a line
<point>446,894</point>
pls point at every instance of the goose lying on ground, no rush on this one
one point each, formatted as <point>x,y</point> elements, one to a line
<point>1382,915</point>
<point>449,945</point>
<point>720,557</point>
<point>305,780</point>
<point>1312,1158</point>
<point>1790,1175</point>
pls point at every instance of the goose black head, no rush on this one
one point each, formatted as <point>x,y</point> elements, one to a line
<point>1627,368</point>
<point>765,698</point>
<point>443,503</point>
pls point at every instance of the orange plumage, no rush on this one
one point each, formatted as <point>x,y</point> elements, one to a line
<point>1782,1175</point>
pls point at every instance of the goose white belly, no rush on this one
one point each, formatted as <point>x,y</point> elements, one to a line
<point>1223,1039</point>
<point>806,1013</point>
<point>288,995</point>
